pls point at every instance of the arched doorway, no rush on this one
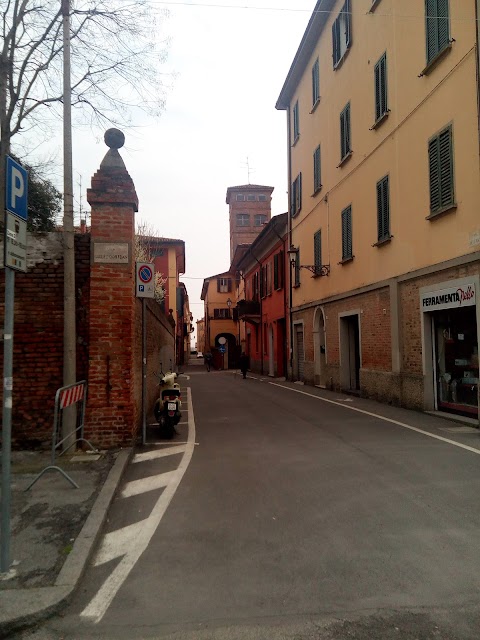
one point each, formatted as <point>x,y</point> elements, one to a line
<point>319,344</point>
<point>226,353</point>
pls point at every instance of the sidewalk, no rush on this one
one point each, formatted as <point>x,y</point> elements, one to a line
<point>54,529</point>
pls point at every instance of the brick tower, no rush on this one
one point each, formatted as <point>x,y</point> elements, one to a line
<point>250,208</point>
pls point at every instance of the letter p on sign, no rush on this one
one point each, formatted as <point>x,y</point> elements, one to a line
<point>17,189</point>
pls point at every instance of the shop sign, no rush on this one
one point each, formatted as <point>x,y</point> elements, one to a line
<point>454,297</point>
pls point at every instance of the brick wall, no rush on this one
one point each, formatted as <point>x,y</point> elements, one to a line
<point>160,336</point>
<point>38,334</point>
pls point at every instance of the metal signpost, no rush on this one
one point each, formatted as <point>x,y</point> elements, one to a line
<point>14,258</point>
<point>145,288</point>
<point>222,348</point>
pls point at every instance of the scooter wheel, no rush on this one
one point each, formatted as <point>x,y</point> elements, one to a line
<point>168,430</point>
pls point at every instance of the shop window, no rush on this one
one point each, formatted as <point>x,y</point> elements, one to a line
<point>456,360</point>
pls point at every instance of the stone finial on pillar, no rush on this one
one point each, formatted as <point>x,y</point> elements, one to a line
<point>115,139</point>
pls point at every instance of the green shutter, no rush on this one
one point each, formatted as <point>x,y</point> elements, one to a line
<point>336,42</point>
<point>345,132</point>
<point>437,27</point>
<point>275,271</point>
<point>315,82</point>
<point>347,233</point>
<point>317,249</point>
<point>434,167</point>
<point>383,209</point>
<point>443,26</point>
<point>296,121</point>
<point>381,106</point>
<point>440,156</point>
<point>348,11</point>
<point>317,176</point>
<point>299,192</point>
<point>446,167</point>
<point>297,267</point>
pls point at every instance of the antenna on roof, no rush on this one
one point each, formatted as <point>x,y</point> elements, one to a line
<point>249,170</point>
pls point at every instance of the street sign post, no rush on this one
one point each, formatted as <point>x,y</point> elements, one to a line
<point>16,210</point>
<point>15,258</point>
<point>144,288</point>
<point>145,280</point>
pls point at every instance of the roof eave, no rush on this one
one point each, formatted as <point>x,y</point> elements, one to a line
<point>309,40</point>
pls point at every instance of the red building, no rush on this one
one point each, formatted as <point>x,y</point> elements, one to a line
<point>262,299</point>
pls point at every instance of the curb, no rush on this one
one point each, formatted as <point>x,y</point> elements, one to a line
<point>40,603</point>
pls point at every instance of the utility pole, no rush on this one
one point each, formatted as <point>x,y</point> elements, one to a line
<point>69,322</point>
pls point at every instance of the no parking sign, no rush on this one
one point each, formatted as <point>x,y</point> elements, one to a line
<point>145,280</point>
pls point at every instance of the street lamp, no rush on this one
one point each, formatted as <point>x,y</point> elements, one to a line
<point>315,269</point>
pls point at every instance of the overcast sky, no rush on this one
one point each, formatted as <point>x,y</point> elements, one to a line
<point>230,65</point>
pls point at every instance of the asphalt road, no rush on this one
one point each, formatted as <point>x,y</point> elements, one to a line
<point>295,518</point>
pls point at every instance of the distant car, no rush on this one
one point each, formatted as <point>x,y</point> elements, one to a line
<point>199,354</point>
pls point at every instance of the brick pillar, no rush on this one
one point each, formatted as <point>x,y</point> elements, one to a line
<point>110,419</point>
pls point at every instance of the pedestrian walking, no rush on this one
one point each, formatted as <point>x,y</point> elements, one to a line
<point>243,363</point>
<point>208,360</point>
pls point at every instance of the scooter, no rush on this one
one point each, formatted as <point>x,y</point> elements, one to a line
<point>167,408</point>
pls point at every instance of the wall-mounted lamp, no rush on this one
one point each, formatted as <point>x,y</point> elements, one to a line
<point>316,269</point>
<point>229,303</point>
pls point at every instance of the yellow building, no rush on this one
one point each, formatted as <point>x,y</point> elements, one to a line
<point>383,140</point>
<point>220,328</point>
<point>200,341</point>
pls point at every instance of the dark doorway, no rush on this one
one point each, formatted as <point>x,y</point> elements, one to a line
<point>350,352</point>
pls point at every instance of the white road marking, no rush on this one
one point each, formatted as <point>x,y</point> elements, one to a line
<point>376,415</point>
<point>157,453</point>
<point>118,543</point>
<point>136,487</point>
<point>99,604</point>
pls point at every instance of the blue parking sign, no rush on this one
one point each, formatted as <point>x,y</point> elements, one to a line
<point>16,193</point>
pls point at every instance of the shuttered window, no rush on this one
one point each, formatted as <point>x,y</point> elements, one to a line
<point>278,270</point>
<point>381,101</point>
<point>383,209</point>
<point>347,233</point>
<point>296,122</point>
<point>224,285</point>
<point>315,82</point>
<point>345,147</point>
<point>256,286</point>
<point>296,195</point>
<point>342,33</point>
<point>440,155</point>
<point>317,170</point>
<point>437,27</point>
<point>317,251</point>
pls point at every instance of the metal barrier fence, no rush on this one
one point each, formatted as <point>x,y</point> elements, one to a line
<point>66,397</point>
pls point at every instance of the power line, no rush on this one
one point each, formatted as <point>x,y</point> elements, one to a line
<point>210,5</point>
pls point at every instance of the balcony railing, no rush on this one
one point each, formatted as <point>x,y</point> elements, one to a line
<point>248,310</point>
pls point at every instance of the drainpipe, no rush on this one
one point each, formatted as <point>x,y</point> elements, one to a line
<point>477,18</point>
<point>290,322</point>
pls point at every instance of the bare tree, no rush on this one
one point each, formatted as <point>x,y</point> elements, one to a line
<point>115,63</point>
<point>146,242</point>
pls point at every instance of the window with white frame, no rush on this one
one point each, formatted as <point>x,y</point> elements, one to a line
<point>224,285</point>
<point>259,219</point>
<point>243,219</point>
